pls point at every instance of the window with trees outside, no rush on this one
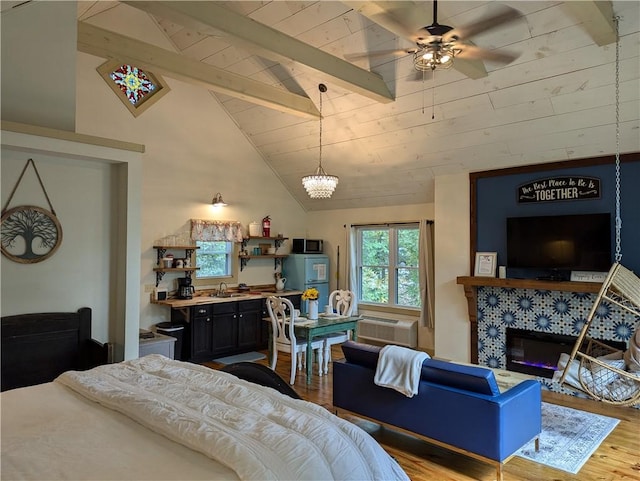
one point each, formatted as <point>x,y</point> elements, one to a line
<point>214,258</point>
<point>388,264</point>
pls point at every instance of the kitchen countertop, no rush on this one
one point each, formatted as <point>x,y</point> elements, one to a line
<point>206,298</point>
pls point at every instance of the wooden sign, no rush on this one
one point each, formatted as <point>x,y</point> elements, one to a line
<point>553,189</point>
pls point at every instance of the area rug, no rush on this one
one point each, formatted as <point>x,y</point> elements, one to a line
<point>244,357</point>
<point>569,437</point>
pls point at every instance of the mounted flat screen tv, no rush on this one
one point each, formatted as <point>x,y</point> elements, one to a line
<point>560,242</point>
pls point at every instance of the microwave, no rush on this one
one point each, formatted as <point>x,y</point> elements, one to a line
<point>307,246</point>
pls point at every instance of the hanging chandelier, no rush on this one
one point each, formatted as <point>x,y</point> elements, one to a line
<point>320,185</point>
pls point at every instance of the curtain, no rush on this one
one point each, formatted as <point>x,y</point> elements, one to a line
<point>214,230</point>
<point>426,274</point>
<point>352,277</point>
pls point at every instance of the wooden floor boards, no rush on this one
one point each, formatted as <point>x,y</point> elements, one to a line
<point>617,458</point>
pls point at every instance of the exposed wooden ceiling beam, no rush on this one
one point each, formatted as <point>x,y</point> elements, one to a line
<point>596,18</point>
<point>473,69</point>
<point>273,44</point>
<point>104,43</point>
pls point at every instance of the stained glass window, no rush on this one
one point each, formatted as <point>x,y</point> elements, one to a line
<point>138,89</point>
<point>133,82</point>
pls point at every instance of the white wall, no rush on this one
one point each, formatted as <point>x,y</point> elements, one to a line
<point>193,150</point>
<point>77,274</point>
<point>451,260</point>
<point>329,225</point>
<point>86,182</point>
<point>37,89</point>
<point>188,159</point>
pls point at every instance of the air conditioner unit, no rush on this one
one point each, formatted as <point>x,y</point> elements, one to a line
<point>390,331</point>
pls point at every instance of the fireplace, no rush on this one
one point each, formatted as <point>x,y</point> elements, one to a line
<point>537,353</point>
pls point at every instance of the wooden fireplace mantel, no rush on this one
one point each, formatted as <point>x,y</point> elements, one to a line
<point>471,285</point>
<point>566,286</point>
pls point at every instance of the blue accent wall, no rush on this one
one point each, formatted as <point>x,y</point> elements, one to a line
<point>497,199</point>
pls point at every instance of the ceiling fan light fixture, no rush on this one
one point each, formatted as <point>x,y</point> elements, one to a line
<point>433,57</point>
<point>320,185</point>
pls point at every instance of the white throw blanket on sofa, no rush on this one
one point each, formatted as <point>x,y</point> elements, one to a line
<point>399,368</point>
<point>256,431</point>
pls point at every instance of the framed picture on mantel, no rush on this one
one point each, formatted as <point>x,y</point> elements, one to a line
<point>485,265</point>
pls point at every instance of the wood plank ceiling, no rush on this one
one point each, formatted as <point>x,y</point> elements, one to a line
<point>386,131</point>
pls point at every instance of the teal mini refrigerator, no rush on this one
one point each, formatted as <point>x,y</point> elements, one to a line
<point>308,270</point>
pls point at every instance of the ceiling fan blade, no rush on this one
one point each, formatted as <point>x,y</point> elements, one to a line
<point>379,53</point>
<point>501,16</point>
<point>470,52</point>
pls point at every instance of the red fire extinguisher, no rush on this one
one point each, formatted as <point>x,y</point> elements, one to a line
<point>266,227</point>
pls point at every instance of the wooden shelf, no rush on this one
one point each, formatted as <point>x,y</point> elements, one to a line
<point>161,251</point>
<point>277,241</point>
<point>175,269</point>
<point>277,258</point>
<point>565,286</point>
<point>266,238</point>
<point>189,247</point>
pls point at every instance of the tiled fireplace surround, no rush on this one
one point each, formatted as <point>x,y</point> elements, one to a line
<point>537,309</point>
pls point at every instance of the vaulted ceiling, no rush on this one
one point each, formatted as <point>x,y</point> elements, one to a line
<point>388,130</point>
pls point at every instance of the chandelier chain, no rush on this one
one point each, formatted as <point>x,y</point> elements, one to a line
<point>618,252</point>
<point>320,159</point>
<point>320,185</point>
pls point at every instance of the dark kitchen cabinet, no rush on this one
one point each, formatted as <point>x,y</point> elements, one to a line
<point>197,336</point>
<point>249,324</point>
<point>224,328</point>
<point>201,333</point>
<point>236,327</point>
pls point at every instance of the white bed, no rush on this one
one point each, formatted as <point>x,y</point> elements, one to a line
<point>155,418</point>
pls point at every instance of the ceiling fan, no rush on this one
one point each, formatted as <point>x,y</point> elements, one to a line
<point>438,45</point>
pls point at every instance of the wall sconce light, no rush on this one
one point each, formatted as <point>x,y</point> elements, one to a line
<point>217,200</point>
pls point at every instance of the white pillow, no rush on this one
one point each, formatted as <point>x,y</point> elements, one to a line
<point>572,378</point>
<point>602,375</point>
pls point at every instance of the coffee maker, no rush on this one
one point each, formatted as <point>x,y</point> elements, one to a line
<point>185,289</point>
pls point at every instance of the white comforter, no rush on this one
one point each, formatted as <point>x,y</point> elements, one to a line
<point>253,430</point>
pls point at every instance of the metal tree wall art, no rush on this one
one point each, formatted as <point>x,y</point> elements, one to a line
<point>30,234</point>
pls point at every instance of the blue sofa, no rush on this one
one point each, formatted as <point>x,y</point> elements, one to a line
<point>457,406</point>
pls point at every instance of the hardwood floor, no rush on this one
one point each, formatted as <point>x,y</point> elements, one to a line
<point>617,458</point>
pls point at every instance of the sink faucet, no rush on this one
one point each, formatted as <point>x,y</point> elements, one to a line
<point>222,290</point>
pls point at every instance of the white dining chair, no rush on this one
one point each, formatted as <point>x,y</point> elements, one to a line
<point>283,337</point>
<point>341,302</point>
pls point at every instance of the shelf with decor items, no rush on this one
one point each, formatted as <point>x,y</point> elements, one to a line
<point>161,252</point>
<point>277,258</point>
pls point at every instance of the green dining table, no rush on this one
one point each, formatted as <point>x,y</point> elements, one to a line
<point>314,328</point>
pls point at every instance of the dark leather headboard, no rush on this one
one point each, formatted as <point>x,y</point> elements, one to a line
<point>37,348</point>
